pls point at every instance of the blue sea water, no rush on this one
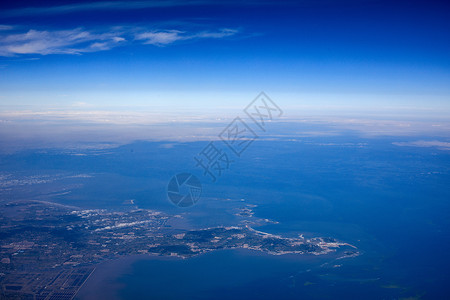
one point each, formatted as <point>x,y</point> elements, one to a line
<point>391,202</point>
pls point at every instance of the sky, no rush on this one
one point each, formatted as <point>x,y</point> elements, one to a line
<point>178,56</point>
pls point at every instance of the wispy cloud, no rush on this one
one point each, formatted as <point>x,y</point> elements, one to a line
<point>161,38</point>
<point>5,27</point>
<point>425,144</point>
<point>75,41</point>
<point>216,35</point>
<point>78,41</point>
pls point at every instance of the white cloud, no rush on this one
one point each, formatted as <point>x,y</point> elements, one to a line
<point>75,41</point>
<point>161,38</point>
<point>216,35</point>
<point>78,41</point>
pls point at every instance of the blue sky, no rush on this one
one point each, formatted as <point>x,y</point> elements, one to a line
<point>213,54</point>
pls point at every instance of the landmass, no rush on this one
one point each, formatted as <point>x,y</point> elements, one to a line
<point>48,250</point>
